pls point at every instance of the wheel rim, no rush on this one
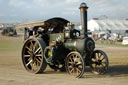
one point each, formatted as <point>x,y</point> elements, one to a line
<point>32,55</point>
<point>75,64</point>
<point>99,62</point>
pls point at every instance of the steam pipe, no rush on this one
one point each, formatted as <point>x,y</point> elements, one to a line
<point>83,10</point>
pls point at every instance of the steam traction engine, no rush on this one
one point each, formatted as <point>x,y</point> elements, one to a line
<point>56,43</point>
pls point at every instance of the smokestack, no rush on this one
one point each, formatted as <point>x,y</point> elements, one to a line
<point>83,11</point>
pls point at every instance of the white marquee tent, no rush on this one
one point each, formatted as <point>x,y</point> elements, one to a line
<point>117,26</point>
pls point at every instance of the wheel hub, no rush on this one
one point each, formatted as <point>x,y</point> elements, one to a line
<point>99,62</point>
<point>32,55</point>
<point>74,65</point>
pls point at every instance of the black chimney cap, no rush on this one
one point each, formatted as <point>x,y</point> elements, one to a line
<point>83,5</point>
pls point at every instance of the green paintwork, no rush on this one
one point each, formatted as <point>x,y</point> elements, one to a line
<point>77,44</point>
<point>57,37</point>
<point>70,45</point>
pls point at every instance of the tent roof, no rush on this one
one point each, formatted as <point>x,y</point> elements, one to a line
<point>110,24</point>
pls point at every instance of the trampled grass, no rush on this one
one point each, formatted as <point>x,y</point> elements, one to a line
<point>9,43</point>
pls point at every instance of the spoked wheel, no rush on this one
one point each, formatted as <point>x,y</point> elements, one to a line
<point>75,64</point>
<point>32,55</point>
<point>99,62</point>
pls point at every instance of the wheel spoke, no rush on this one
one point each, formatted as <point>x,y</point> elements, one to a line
<point>29,62</point>
<point>79,63</point>
<point>78,70</point>
<point>26,56</point>
<point>80,66</point>
<point>28,48</point>
<point>94,60</point>
<point>73,56</point>
<point>31,65</point>
<point>29,52</point>
<point>38,55</point>
<point>70,66</point>
<point>29,59</point>
<point>78,59</point>
<point>102,65</point>
<point>37,50</point>
<point>38,60</point>
<point>101,68</point>
<point>72,70</point>
<point>95,66</point>
<point>70,62</point>
<point>71,59</point>
<point>34,46</point>
<point>31,44</point>
<point>98,55</point>
<point>75,59</point>
<point>102,58</point>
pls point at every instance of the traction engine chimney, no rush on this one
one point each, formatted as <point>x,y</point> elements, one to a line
<point>83,10</point>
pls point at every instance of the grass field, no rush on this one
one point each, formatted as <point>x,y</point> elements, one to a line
<point>112,44</point>
<point>7,44</point>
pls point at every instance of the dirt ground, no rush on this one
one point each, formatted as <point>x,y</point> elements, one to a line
<point>12,71</point>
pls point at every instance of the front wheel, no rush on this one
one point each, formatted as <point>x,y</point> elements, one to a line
<point>99,62</point>
<point>75,64</point>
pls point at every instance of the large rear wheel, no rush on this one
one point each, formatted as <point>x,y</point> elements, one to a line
<point>32,55</point>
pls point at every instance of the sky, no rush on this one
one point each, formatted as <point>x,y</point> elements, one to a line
<point>33,10</point>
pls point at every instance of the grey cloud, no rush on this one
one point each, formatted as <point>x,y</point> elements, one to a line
<point>43,9</point>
